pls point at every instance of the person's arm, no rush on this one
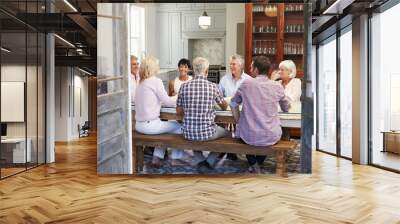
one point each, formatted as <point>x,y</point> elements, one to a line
<point>235,102</point>
<point>283,99</point>
<point>221,86</point>
<point>163,96</point>
<point>219,99</point>
<point>179,112</point>
<point>171,89</point>
<point>179,103</point>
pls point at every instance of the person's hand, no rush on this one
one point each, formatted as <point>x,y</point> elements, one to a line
<point>275,75</point>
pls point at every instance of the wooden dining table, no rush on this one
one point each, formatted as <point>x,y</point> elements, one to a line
<point>288,120</point>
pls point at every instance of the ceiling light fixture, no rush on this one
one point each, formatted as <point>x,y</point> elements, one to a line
<point>65,41</point>
<point>204,21</point>
<point>5,50</point>
<point>70,5</point>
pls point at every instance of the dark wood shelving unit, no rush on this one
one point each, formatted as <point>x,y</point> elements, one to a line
<point>270,33</point>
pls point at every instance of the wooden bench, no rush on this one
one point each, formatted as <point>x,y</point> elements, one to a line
<point>228,145</point>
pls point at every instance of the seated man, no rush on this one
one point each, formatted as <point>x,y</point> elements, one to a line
<point>258,123</point>
<point>195,102</point>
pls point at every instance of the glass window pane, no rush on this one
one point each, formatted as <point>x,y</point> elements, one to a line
<point>327,97</point>
<point>41,99</point>
<point>31,98</point>
<point>13,87</point>
<point>346,94</point>
<point>385,89</point>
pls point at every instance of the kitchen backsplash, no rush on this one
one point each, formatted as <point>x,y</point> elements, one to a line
<point>212,49</point>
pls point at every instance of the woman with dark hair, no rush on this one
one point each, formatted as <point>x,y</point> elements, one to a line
<point>183,67</point>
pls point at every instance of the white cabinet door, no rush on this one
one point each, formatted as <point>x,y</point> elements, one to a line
<point>190,22</point>
<point>164,57</point>
<point>218,21</point>
<point>171,45</point>
<point>176,40</point>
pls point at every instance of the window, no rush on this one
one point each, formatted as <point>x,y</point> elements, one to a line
<point>346,94</point>
<point>385,85</point>
<point>137,31</point>
<point>327,96</point>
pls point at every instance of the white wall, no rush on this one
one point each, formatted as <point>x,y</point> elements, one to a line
<point>152,41</point>
<point>235,13</point>
<point>70,83</point>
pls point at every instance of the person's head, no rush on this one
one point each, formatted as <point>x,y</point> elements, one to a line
<point>134,65</point>
<point>184,66</point>
<point>287,70</point>
<point>149,67</point>
<point>200,66</point>
<point>236,64</point>
<point>260,66</point>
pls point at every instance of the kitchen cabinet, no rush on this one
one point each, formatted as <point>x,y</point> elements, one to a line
<point>277,34</point>
<point>171,45</point>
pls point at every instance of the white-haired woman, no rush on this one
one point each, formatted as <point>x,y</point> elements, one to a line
<point>292,85</point>
<point>150,95</point>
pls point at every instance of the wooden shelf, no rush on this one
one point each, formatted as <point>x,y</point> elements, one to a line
<point>280,37</point>
<point>268,55</point>
<point>265,33</point>
<point>293,55</point>
<point>294,12</point>
<point>294,33</point>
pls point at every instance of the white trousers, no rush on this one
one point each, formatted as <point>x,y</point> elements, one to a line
<point>156,127</point>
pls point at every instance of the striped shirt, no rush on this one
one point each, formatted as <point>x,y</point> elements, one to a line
<point>197,98</point>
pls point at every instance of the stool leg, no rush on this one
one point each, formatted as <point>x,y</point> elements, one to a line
<point>281,163</point>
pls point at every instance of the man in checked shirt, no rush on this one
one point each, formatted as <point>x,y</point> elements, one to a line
<point>195,103</point>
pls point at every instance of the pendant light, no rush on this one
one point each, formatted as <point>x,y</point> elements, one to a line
<point>271,11</point>
<point>204,20</point>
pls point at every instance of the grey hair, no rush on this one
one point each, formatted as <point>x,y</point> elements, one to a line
<point>133,57</point>
<point>291,66</point>
<point>200,66</point>
<point>239,58</point>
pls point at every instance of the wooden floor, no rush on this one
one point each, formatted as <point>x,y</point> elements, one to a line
<point>386,159</point>
<point>70,191</point>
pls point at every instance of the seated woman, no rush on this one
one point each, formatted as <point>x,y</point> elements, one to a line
<point>292,85</point>
<point>183,68</point>
<point>150,94</point>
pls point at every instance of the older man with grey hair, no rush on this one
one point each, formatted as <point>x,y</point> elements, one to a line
<point>195,102</point>
<point>230,83</point>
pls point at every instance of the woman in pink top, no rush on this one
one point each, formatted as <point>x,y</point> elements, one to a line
<point>150,95</point>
